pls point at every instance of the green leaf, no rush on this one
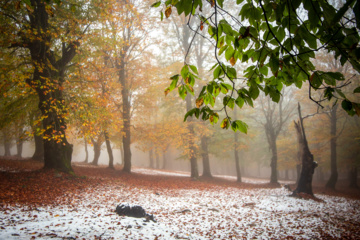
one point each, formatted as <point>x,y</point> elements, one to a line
<point>175,77</point>
<point>357,90</point>
<point>346,105</point>
<point>194,69</point>
<point>182,92</point>
<point>185,71</point>
<point>239,125</point>
<point>240,102</point>
<point>173,84</point>
<point>254,91</point>
<point>274,64</point>
<point>222,49</point>
<point>156,4</point>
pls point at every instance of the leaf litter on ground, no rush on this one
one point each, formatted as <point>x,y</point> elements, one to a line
<point>67,207</point>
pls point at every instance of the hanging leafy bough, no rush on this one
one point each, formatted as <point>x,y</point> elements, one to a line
<point>279,38</point>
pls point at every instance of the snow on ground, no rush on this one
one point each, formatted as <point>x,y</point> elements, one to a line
<point>221,213</point>
<point>149,171</point>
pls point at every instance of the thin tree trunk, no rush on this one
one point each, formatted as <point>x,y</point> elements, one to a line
<point>164,160</point>
<point>193,160</point>
<point>334,173</point>
<point>286,174</point>
<point>86,151</point>
<point>273,164</point>
<point>308,164</point>
<point>7,144</point>
<point>353,177</point>
<point>236,157</point>
<point>151,158</point>
<point>157,160</point>
<point>205,157</point>
<point>109,150</point>
<point>125,94</point>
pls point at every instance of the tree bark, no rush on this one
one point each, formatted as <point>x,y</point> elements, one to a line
<point>39,149</point>
<point>157,159</point>
<point>19,147</point>
<point>125,95</point>
<point>307,159</point>
<point>193,160</point>
<point>334,173</point>
<point>236,157</point>
<point>273,164</point>
<point>7,144</point>
<point>151,158</point>
<point>86,151</point>
<point>205,157</point>
<point>109,150</point>
<point>164,160</point>
<point>97,151</point>
<point>47,80</point>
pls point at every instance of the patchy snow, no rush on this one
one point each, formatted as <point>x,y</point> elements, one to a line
<point>219,213</point>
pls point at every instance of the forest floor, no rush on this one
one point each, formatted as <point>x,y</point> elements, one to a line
<point>43,204</point>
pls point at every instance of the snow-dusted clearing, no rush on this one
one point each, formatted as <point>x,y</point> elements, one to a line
<point>215,213</point>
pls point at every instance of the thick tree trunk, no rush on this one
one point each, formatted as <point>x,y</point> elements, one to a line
<point>97,151</point>
<point>192,148</point>
<point>308,164</point>
<point>47,80</point>
<point>205,157</point>
<point>298,171</point>
<point>86,151</point>
<point>109,150</point>
<point>151,158</point>
<point>353,177</point>
<point>39,148</point>
<point>334,173</point>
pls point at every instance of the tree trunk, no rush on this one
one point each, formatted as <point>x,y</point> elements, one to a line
<point>47,80</point>
<point>157,159</point>
<point>236,155</point>
<point>86,151</point>
<point>125,95</point>
<point>205,157</point>
<point>19,147</point>
<point>298,171</point>
<point>353,177</point>
<point>7,144</point>
<point>273,164</point>
<point>307,159</point>
<point>164,160</point>
<point>39,148</point>
<point>286,174</point>
<point>151,158</point>
<point>334,173</point>
<point>97,151</point>
<point>109,150</point>
<point>193,160</point>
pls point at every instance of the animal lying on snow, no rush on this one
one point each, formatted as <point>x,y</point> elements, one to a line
<point>133,211</point>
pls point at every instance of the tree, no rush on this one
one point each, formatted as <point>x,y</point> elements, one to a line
<point>276,115</point>
<point>307,159</point>
<point>273,36</point>
<point>50,33</point>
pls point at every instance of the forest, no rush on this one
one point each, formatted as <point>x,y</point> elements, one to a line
<point>231,119</point>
